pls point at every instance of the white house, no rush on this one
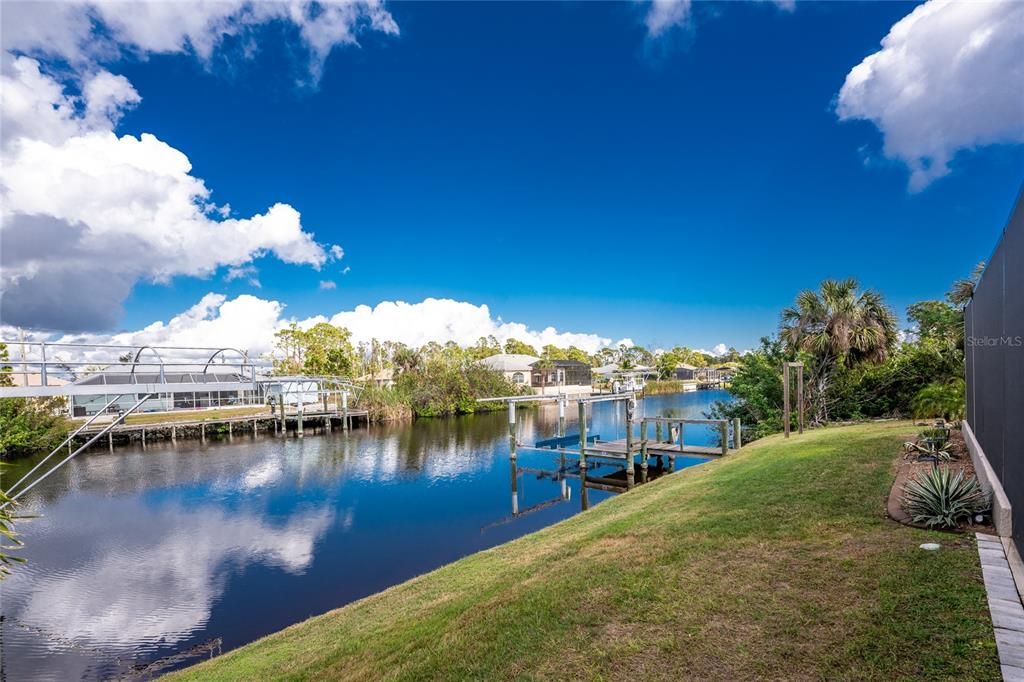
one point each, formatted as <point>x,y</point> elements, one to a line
<point>515,367</point>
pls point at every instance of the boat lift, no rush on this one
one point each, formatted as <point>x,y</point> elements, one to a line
<point>45,370</point>
<point>625,451</point>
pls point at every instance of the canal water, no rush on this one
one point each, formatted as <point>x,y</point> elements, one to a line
<point>142,561</point>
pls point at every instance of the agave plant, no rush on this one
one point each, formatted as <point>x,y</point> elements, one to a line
<point>940,498</point>
<point>932,443</point>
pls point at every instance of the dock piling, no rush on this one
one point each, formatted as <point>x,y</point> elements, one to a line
<point>723,430</point>
<point>737,433</point>
<point>643,451</point>
<point>584,502</point>
<point>512,430</point>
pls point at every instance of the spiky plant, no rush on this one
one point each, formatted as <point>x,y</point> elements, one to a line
<point>941,499</point>
<point>7,535</point>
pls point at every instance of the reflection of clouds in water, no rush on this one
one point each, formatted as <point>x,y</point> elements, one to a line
<point>264,473</point>
<point>160,589</point>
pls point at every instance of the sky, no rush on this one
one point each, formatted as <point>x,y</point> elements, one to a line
<point>665,173</point>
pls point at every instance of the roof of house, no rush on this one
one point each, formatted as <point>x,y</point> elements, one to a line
<point>510,362</point>
<point>685,365</point>
<point>563,363</point>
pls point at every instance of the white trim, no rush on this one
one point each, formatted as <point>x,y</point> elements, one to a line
<point>1001,511</point>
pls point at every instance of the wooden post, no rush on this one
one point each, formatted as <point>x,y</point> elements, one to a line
<point>737,433</point>
<point>143,439</point>
<point>584,502</point>
<point>298,415</point>
<point>174,434</point>
<point>643,451</point>
<point>800,396</point>
<point>630,473</point>
<point>512,430</point>
<point>682,438</point>
<point>723,429</point>
<point>561,417</point>
<point>515,484</point>
<point>344,410</point>
<point>202,433</point>
<point>657,433</point>
<point>284,424</point>
<point>110,439</point>
<point>785,399</point>
<point>229,430</point>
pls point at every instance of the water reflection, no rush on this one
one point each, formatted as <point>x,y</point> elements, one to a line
<point>138,556</point>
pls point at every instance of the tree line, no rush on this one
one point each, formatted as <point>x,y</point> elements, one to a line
<point>858,363</point>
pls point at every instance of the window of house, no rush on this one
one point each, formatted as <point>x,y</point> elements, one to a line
<point>518,378</point>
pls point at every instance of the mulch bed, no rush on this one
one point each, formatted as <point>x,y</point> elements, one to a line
<point>909,466</point>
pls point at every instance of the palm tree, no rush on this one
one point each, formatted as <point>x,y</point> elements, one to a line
<point>839,326</point>
<point>963,289</point>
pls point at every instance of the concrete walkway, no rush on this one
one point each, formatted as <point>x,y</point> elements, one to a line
<point>1005,605</point>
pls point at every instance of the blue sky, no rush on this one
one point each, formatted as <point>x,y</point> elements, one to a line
<point>562,165</point>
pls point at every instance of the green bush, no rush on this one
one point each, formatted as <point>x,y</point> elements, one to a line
<point>28,427</point>
<point>940,498</point>
<point>942,399</point>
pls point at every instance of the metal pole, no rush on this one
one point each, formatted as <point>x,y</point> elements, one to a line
<point>67,441</point>
<point>89,442</point>
<point>42,367</point>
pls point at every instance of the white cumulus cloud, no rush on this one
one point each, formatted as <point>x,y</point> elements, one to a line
<point>68,30</point>
<point>946,79</point>
<point>87,214</point>
<point>248,323</point>
<point>664,15</point>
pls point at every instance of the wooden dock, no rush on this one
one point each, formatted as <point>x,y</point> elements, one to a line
<point>200,428</point>
<point>654,448</point>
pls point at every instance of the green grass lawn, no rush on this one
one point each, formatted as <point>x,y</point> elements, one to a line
<point>776,562</point>
<point>197,415</point>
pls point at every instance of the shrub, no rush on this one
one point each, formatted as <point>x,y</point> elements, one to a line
<point>28,427</point>
<point>945,399</point>
<point>940,498</point>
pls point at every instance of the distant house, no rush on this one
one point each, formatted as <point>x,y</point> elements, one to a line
<point>382,379</point>
<point>515,367</point>
<point>122,381</point>
<point>685,372</point>
<point>34,379</point>
<point>561,376</point>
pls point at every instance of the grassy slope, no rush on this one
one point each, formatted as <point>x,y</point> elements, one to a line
<point>775,562</point>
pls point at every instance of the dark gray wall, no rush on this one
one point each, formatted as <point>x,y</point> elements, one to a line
<point>995,364</point>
